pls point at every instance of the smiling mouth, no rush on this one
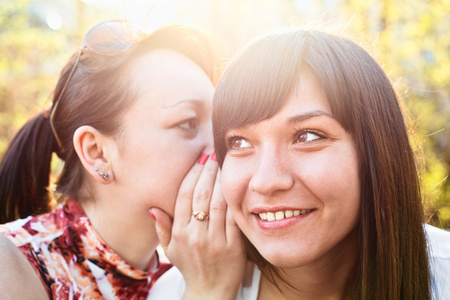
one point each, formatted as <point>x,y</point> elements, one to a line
<point>283,214</point>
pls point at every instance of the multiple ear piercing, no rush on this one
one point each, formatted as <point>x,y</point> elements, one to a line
<point>101,173</point>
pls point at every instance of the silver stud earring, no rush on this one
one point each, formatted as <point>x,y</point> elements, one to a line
<point>102,174</point>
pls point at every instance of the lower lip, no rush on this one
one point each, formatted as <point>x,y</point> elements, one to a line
<point>281,224</point>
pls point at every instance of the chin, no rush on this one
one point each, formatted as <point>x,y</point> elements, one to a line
<point>286,261</point>
<point>289,257</point>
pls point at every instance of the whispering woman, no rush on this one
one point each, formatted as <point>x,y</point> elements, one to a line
<point>131,121</point>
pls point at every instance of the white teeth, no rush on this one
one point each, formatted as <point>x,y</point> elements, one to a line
<point>263,216</point>
<point>282,214</point>
<point>270,216</point>
<point>279,215</point>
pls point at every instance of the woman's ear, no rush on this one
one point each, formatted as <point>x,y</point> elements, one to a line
<point>89,145</point>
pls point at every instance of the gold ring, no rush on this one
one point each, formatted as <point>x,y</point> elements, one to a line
<point>200,215</point>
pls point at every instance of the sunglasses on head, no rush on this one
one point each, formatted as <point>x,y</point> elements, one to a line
<point>108,38</point>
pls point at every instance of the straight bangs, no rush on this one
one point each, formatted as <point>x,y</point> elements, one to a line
<point>256,84</point>
<point>335,70</point>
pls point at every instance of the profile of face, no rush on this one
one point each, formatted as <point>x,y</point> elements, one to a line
<point>165,130</point>
<point>292,182</point>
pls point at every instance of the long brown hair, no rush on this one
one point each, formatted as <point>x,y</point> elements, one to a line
<point>98,94</point>
<point>393,261</point>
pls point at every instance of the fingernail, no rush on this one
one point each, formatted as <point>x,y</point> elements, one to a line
<point>151,213</point>
<point>213,156</point>
<point>203,159</point>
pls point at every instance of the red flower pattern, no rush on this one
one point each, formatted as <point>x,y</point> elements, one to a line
<point>73,262</point>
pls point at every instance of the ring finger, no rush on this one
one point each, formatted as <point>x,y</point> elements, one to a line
<point>204,190</point>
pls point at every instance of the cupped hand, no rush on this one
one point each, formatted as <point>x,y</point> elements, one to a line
<point>209,253</point>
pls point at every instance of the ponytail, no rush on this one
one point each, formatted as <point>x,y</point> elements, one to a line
<point>25,171</point>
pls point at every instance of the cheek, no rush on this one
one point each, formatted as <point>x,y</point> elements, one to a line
<point>174,170</point>
<point>234,187</point>
<point>164,169</point>
<point>347,177</point>
<point>338,168</point>
<point>333,178</point>
<point>233,184</point>
<point>339,186</point>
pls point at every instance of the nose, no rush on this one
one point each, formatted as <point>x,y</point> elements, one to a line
<point>272,173</point>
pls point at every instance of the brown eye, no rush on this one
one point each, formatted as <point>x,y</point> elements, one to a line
<point>303,137</point>
<point>306,137</point>
<point>239,143</point>
<point>189,124</point>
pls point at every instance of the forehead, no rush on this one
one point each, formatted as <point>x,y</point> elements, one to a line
<point>168,76</point>
<point>308,92</point>
<point>307,96</point>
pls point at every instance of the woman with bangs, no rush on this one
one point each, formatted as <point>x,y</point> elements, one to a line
<point>319,174</point>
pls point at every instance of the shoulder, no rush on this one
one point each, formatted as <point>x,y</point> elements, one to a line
<point>15,230</point>
<point>439,260</point>
<point>19,279</point>
<point>438,241</point>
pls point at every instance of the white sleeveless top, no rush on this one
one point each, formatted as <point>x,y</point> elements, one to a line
<point>171,284</point>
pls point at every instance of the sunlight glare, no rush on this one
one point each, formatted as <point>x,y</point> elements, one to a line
<point>146,14</point>
<point>54,21</point>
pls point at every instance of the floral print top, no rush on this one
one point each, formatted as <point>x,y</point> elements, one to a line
<point>73,262</point>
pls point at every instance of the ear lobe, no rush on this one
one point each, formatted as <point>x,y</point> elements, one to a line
<point>89,143</point>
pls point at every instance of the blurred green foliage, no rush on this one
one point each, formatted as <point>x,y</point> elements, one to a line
<point>27,71</point>
<point>414,41</point>
<point>410,39</point>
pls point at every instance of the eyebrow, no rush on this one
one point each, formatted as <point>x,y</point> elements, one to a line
<point>309,115</point>
<point>195,102</point>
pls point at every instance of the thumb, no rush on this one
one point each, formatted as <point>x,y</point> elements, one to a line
<point>163,225</point>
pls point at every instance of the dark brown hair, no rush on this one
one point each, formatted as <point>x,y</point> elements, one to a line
<point>393,261</point>
<point>98,95</point>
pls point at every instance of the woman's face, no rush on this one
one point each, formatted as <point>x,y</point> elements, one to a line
<point>292,181</point>
<point>165,131</point>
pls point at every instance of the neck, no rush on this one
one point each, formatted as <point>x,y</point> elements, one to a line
<point>128,231</point>
<point>325,278</point>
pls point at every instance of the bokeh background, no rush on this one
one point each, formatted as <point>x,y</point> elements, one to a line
<point>409,38</point>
